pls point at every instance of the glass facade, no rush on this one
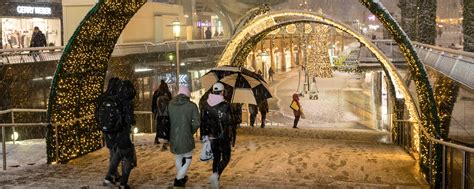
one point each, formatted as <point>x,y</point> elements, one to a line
<point>18,19</point>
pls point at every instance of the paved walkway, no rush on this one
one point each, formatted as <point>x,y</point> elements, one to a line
<point>337,152</point>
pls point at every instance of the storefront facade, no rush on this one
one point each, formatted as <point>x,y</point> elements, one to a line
<point>18,20</point>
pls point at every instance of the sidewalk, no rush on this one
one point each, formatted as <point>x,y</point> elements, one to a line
<point>343,102</point>
<point>256,162</point>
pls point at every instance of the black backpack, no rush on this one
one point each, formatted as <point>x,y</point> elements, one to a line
<point>162,105</point>
<point>109,115</point>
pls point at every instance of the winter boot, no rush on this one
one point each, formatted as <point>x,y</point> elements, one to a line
<point>108,182</point>
<point>179,183</point>
<point>124,186</point>
<point>214,179</point>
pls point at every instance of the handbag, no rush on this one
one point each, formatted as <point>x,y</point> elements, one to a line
<point>294,106</point>
<point>206,150</point>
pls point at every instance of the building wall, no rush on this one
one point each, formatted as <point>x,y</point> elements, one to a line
<point>149,24</point>
<point>73,13</point>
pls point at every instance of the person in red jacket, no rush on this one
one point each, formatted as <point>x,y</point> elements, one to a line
<point>295,105</point>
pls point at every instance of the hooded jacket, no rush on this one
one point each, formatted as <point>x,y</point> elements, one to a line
<point>216,118</point>
<point>297,100</point>
<point>185,120</point>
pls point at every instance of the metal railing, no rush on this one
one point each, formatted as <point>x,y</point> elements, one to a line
<point>388,47</point>
<point>44,54</point>
<point>14,125</point>
<point>456,171</point>
<point>455,64</point>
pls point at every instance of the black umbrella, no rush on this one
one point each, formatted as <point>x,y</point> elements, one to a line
<point>243,85</point>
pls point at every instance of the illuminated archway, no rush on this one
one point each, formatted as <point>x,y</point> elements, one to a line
<point>244,41</point>
<point>249,35</point>
<point>81,71</point>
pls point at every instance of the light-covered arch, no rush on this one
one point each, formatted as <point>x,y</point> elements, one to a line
<point>244,40</point>
<point>81,70</point>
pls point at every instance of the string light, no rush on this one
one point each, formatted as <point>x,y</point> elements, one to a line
<point>79,79</point>
<point>429,116</point>
<point>319,64</point>
<point>237,50</point>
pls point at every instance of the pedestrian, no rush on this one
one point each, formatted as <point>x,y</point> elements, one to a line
<point>208,33</point>
<point>236,109</point>
<point>217,120</point>
<point>111,91</point>
<point>185,120</point>
<point>118,140</point>
<point>270,74</point>
<point>263,108</point>
<point>295,105</point>
<point>253,110</point>
<point>38,39</point>
<point>159,107</point>
<point>259,72</point>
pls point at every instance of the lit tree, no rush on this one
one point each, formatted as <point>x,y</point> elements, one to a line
<point>426,21</point>
<point>408,13</point>
<point>318,56</point>
<point>468,25</point>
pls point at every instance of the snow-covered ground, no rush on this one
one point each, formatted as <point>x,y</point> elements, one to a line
<point>333,149</point>
<point>257,162</point>
<point>343,102</point>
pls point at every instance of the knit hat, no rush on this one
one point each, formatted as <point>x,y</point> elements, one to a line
<point>184,90</point>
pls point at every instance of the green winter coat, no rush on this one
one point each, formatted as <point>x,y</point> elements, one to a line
<point>185,121</point>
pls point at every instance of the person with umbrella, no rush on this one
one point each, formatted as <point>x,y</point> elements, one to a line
<point>253,109</point>
<point>217,121</point>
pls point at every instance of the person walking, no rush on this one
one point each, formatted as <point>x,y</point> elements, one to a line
<point>263,108</point>
<point>122,148</point>
<point>236,109</point>
<point>38,39</point>
<point>208,33</point>
<point>217,123</point>
<point>159,107</point>
<point>185,120</point>
<point>270,74</point>
<point>253,110</point>
<point>295,105</point>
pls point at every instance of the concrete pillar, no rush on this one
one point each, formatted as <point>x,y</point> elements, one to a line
<point>377,98</point>
<point>283,56</point>
<point>272,55</point>
<point>292,56</point>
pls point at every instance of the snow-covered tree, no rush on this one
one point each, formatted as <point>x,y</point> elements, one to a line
<point>426,21</point>
<point>468,25</point>
<point>408,21</point>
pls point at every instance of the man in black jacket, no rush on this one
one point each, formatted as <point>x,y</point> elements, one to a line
<point>122,148</point>
<point>37,39</point>
<point>217,121</point>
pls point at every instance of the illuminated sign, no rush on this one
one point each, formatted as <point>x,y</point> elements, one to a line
<point>33,10</point>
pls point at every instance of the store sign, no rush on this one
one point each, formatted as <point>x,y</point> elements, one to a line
<point>33,10</point>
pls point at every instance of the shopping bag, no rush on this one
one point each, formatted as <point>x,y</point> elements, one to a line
<point>294,106</point>
<point>206,151</point>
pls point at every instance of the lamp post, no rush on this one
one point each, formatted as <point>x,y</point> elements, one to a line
<point>177,32</point>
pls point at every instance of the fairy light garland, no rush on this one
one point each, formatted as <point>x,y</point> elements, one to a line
<point>318,53</point>
<point>428,118</point>
<point>79,80</point>
<point>429,115</point>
